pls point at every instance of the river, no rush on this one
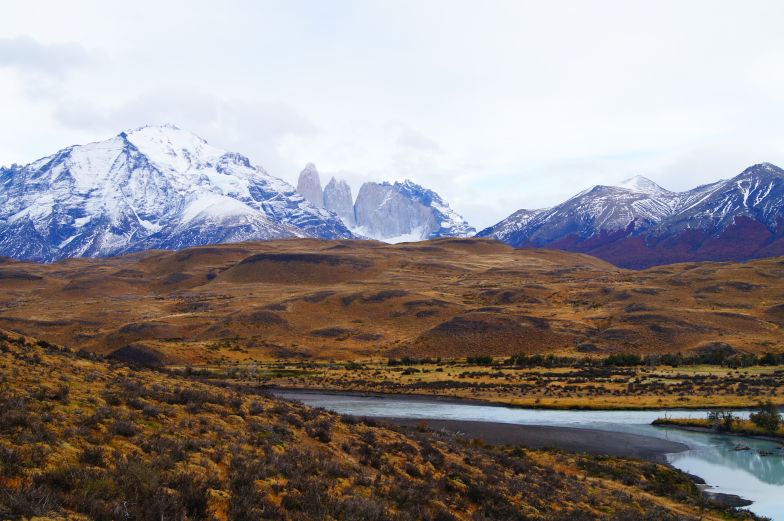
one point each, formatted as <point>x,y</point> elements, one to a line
<point>747,473</point>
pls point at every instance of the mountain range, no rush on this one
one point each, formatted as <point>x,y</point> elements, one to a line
<point>639,224</point>
<point>403,211</point>
<point>160,187</point>
<point>154,187</point>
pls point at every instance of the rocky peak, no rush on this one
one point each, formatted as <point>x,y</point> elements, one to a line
<point>384,213</point>
<point>309,185</point>
<point>762,170</point>
<point>338,199</point>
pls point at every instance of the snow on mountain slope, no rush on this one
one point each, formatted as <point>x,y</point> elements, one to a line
<point>639,224</point>
<point>404,212</point>
<point>400,212</point>
<point>450,223</point>
<point>643,185</point>
<point>508,229</point>
<point>756,193</point>
<point>637,200</point>
<point>153,187</point>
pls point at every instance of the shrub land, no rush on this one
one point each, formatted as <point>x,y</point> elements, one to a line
<point>616,381</point>
<point>83,438</point>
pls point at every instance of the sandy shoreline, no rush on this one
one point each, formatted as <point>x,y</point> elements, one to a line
<point>569,438</point>
<point>535,436</point>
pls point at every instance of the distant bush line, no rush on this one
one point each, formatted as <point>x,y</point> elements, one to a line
<point>766,420</point>
<point>717,358</point>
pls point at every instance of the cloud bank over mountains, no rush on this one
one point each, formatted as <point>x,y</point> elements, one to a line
<point>514,107</point>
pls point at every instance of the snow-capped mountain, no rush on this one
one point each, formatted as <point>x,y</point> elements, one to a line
<point>637,200</point>
<point>385,214</point>
<point>757,193</point>
<point>449,223</point>
<point>153,187</point>
<point>388,212</point>
<point>639,224</point>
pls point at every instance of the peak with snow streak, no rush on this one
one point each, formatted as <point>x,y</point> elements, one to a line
<point>152,187</point>
<point>403,212</point>
<point>640,184</point>
<point>757,193</point>
<point>638,224</point>
<point>170,148</point>
<point>638,203</point>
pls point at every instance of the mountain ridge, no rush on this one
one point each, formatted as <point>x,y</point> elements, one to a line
<point>639,224</point>
<point>160,187</point>
<point>151,187</point>
<point>399,212</point>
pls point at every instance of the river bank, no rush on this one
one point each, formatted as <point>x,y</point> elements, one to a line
<point>571,388</point>
<point>731,475</point>
<point>693,426</point>
<point>574,439</point>
<point>479,401</point>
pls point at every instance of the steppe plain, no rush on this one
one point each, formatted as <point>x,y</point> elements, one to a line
<point>331,314</point>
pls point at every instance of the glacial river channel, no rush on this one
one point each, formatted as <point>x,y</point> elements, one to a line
<point>746,473</point>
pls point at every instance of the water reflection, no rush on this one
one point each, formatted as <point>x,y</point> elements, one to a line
<point>711,456</point>
<point>745,473</point>
<point>766,469</point>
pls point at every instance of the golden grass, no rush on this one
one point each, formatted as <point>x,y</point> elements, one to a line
<point>577,387</point>
<point>305,299</point>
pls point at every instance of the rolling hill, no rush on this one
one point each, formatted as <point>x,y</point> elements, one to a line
<point>348,299</point>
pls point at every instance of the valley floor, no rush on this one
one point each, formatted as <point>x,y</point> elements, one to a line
<point>588,387</point>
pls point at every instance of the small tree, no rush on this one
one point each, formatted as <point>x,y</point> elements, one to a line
<point>767,416</point>
<point>722,420</point>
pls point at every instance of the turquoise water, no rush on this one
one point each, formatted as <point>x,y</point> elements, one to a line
<point>711,456</point>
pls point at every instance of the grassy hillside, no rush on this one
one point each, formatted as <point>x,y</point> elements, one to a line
<point>302,299</point>
<point>82,438</point>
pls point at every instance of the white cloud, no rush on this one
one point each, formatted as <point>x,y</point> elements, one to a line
<point>25,53</point>
<point>417,141</point>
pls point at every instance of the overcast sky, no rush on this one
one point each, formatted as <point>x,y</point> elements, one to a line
<point>495,105</point>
